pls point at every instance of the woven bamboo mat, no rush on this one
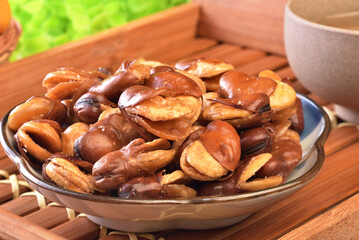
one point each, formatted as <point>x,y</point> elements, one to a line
<point>34,217</point>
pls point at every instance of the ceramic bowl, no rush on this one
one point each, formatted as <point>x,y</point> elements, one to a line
<point>324,58</point>
<point>195,213</point>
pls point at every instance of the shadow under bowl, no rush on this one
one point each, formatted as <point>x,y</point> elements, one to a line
<point>194,213</point>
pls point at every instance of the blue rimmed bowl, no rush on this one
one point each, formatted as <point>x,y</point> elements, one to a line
<point>195,213</point>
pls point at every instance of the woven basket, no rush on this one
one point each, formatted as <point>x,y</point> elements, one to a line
<point>9,40</point>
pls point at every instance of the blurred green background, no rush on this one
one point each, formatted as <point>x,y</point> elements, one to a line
<point>49,23</point>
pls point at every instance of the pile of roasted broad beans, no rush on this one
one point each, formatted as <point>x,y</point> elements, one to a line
<point>155,131</point>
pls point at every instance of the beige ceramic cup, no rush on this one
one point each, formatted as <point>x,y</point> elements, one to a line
<point>325,59</point>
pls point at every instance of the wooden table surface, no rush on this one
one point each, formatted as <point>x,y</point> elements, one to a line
<point>332,193</point>
<point>327,208</point>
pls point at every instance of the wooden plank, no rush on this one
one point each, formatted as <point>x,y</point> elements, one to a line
<point>336,181</point>
<point>49,217</point>
<point>255,23</point>
<point>183,49</point>
<point>141,38</point>
<point>243,57</point>
<point>219,51</point>
<point>340,138</point>
<point>6,191</point>
<point>2,153</point>
<point>341,222</point>
<point>318,99</point>
<point>286,72</point>
<point>7,165</point>
<point>17,228</point>
<point>268,62</point>
<point>298,86</point>
<point>231,54</point>
<point>78,228</point>
<point>23,205</point>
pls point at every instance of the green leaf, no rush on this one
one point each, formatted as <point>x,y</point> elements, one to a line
<point>99,23</point>
<point>46,23</point>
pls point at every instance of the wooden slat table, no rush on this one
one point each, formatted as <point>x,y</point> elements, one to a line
<point>326,208</point>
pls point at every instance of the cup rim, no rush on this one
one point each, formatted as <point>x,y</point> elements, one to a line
<point>289,12</point>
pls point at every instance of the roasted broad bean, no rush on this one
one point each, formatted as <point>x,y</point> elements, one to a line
<point>150,130</point>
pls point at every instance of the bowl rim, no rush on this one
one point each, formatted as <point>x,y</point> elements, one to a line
<point>290,12</point>
<point>23,168</point>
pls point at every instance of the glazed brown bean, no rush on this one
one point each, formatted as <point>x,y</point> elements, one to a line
<point>150,188</point>
<point>160,111</point>
<point>257,140</point>
<point>129,74</point>
<point>138,158</point>
<point>275,166</point>
<point>142,188</point>
<point>289,151</point>
<point>175,81</point>
<point>223,143</point>
<point>234,84</point>
<point>37,108</point>
<point>107,135</point>
<point>298,118</point>
<point>221,188</point>
<point>90,105</point>
<point>37,140</point>
<point>69,173</point>
<point>216,152</point>
<point>160,69</point>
